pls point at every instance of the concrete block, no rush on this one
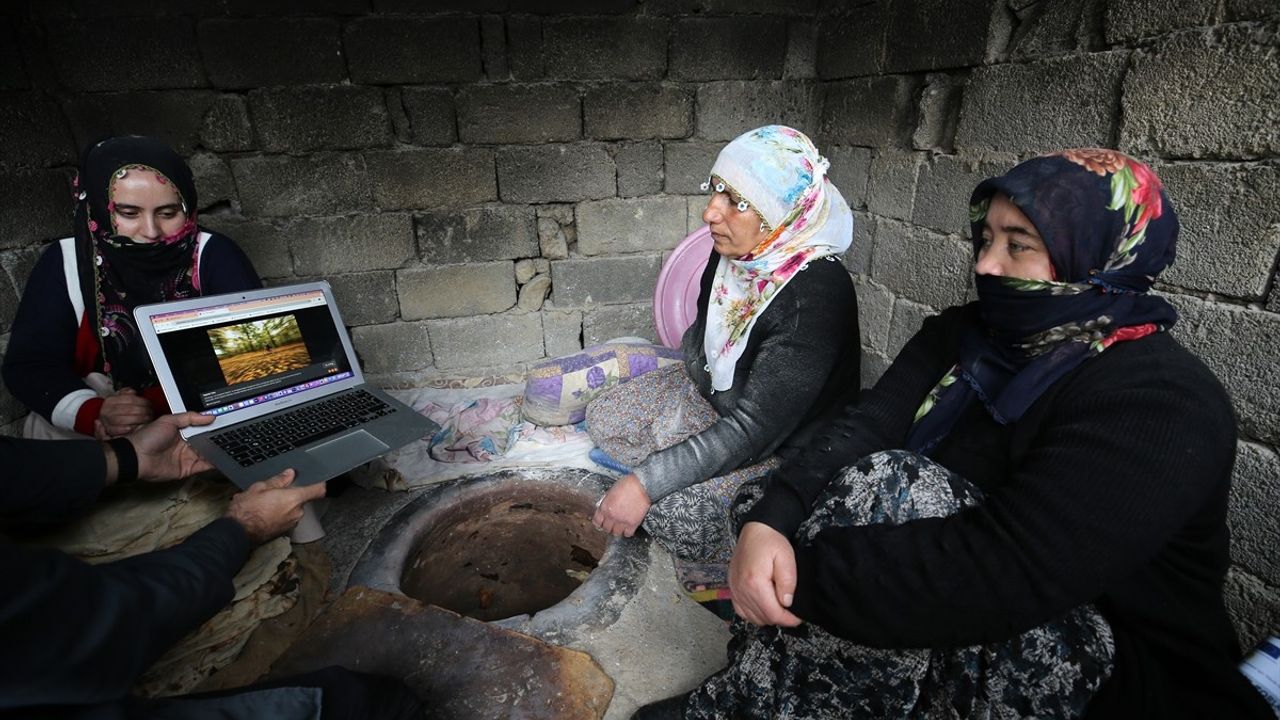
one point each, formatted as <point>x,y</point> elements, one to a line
<point>762,7</point>
<point>1252,517</point>
<point>491,341</point>
<point>1242,347</point>
<point>639,168</point>
<point>37,206</point>
<point>631,48</point>
<point>367,298</point>
<point>214,185</point>
<point>431,178</point>
<point>616,321</point>
<point>288,7</point>
<point>1250,10</point>
<point>525,270</point>
<point>317,184</point>
<point>1230,226</point>
<point>409,7</point>
<point>853,44</point>
<point>510,113</point>
<point>697,205</point>
<point>493,48</point>
<point>939,112</point>
<point>873,366</point>
<point>334,245</point>
<point>634,225</point>
<point>226,125</point>
<point>802,50</point>
<point>335,117</point>
<point>728,109</point>
<point>533,293</point>
<point>1218,97</point>
<point>1004,106</point>
<point>873,111</point>
<point>431,115</point>
<point>13,72</point>
<point>921,265</point>
<point>563,331</point>
<point>875,313</point>
<point>394,347</point>
<point>850,168</point>
<point>552,240</point>
<point>264,241</point>
<point>1254,607</point>
<point>555,173</point>
<point>858,257</point>
<point>271,51</point>
<point>1055,28</point>
<point>892,186</point>
<point>19,263</point>
<point>524,47</point>
<point>943,187</point>
<point>496,232</point>
<point>12,412</point>
<point>687,166</point>
<point>573,7</point>
<point>142,53</point>
<point>932,34</point>
<point>1133,19</point>
<point>634,111</point>
<point>33,132</point>
<point>733,48</point>
<point>406,50</point>
<point>177,116</point>
<point>8,302</point>
<point>542,265</point>
<point>1274,303</point>
<point>581,282</point>
<point>908,316</point>
<point>456,290</point>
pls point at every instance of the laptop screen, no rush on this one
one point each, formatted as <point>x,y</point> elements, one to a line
<point>229,357</point>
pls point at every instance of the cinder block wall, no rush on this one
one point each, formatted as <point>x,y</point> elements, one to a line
<point>490,182</point>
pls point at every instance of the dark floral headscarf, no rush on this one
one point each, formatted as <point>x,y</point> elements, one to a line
<point>1110,231</point>
<point>118,274</point>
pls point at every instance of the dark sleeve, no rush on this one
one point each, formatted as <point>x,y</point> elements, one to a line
<point>225,268</point>
<point>792,362</point>
<point>1121,463</point>
<point>39,364</point>
<point>49,480</point>
<point>79,633</point>
<point>878,419</point>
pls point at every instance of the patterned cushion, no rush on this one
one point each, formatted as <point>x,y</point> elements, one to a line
<point>557,391</point>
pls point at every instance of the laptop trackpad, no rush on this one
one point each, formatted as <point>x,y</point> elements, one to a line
<point>358,444</point>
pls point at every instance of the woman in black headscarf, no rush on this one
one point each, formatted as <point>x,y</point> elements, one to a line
<point>75,358</point>
<point>1026,516</point>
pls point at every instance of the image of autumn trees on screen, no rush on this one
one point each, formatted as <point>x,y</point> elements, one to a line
<point>259,348</point>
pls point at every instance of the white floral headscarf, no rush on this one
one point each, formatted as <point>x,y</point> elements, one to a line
<point>777,171</point>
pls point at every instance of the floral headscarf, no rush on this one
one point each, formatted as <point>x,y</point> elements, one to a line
<point>777,171</point>
<point>1110,230</point>
<point>118,274</point>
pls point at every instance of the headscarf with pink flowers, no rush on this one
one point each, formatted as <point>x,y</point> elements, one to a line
<point>778,172</point>
<point>1110,231</point>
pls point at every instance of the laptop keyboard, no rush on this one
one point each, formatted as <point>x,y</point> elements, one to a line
<point>254,442</point>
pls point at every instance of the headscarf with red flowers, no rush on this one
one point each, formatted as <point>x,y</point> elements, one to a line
<point>118,274</point>
<point>1110,230</point>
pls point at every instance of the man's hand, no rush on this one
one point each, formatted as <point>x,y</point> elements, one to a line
<point>270,508</point>
<point>623,508</point>
<point>162,453</point>
<point>762,576</point>
<point>122,413</point>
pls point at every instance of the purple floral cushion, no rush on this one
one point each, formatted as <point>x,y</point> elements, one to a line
<point>557,390</point>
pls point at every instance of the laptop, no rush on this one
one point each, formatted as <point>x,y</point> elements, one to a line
<point>276,370</point>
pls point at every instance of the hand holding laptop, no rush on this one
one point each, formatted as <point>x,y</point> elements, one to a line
<point>272,507</point>
<point>162,453</point>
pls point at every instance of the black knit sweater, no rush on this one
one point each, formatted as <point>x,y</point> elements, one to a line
<point>1111,489</point>
<point>801,354</point>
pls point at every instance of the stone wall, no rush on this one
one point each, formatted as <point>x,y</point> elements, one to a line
<point>490,182</point>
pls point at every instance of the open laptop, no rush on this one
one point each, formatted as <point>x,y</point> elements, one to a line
<point>276,369</point>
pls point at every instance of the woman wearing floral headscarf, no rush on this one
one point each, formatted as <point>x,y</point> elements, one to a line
<point>775,341</point>
<point>1026,515</point>
<point>75,358</point>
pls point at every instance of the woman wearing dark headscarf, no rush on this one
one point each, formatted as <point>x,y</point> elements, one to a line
<point>74,356</point>
<point>1025,517</point>
<point>775,339</point>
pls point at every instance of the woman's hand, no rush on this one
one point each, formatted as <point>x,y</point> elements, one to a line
<point>122,413</point>
<point>762,576</point>
<point>623,508</point>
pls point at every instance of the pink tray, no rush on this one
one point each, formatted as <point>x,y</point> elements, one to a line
<point>675,298</point>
